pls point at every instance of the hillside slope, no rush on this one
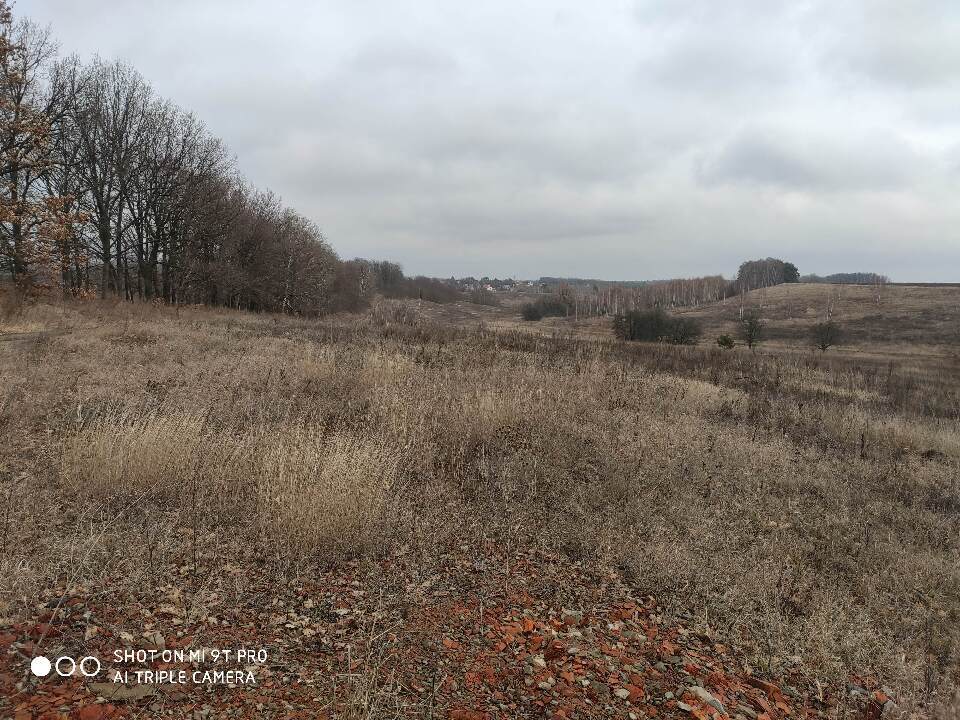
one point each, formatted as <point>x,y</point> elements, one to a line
<point>904,314</point>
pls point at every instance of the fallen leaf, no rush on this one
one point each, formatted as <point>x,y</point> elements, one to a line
<point>95,712</point>
<point>467,715</point>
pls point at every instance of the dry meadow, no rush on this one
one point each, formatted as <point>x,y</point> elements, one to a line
<point>804,508</point>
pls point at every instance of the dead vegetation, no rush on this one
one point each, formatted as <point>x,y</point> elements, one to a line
<point>806,509</point>
<point>889,315</point>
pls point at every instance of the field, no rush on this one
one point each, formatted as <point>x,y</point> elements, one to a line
<point>442,511</point>
<point>904,316</point>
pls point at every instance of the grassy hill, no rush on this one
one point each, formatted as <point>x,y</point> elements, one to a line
<point>916,319</point>
<point>927,315</point>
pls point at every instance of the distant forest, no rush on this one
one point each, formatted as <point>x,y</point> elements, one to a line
<point>586,298</point>
<point>855,278</point>
<point>591,298</point>
<point>556,281</point>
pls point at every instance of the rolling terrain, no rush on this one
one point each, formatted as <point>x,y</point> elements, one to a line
<point>433,511</point>
<point>924,316</point>
<point>897,315</point>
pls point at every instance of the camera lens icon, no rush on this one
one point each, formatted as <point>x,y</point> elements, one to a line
<point>65,666</point>
<point>88,662</point>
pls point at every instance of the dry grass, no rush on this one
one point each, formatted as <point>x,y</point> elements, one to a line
<point>326,495</point>
<point>305,490</point>
<point>904,314</point>
<point>806,508</point>
<point>137,456</point>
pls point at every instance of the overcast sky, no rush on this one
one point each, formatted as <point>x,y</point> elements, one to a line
<point>620,140</point>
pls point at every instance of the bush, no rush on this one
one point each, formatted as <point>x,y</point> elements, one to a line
<point>641,325</point>
<point>656,326</point>
<point>825,335</point>
<point>684,331</point>
<point>726,342</point>
<point>347,291</point>
<point>424,288</point>
<point>531,312</point>
<point>547,306</point>
<point>392,283</point>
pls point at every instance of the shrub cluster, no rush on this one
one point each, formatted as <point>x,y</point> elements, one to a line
<point>547,306</point>
<point>392,283</point>
<point>656,326</point>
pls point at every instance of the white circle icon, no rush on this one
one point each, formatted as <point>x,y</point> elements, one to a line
<point>60,671</point>
<point>83,666</point>
<point>40,666</point>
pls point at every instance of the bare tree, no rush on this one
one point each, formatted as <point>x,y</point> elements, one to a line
<point>107,114</point>
<point>106,183</point>
<point>33,223</point>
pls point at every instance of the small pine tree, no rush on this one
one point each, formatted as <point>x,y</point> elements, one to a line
<point>825,335</point>
<point>751,328</point>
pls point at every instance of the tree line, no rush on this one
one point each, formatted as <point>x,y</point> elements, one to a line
<point>593,299</point>
<point>110,189</point>
<point>851,278</point>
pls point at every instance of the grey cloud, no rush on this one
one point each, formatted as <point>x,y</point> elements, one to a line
<point>706,12</point>
<point>874,161</point>
<point>912,46</point>
<point>708,66</point>
<point>953,161</point>
<point>390,57</point>
<point>653,139</point>
<point>713,49</point>
<point>757,160</point>
<point>556,150</point>
<point>529,220</point>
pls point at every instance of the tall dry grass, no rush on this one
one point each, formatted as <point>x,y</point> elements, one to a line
<point>326,494</point>
<point>299,488</point>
